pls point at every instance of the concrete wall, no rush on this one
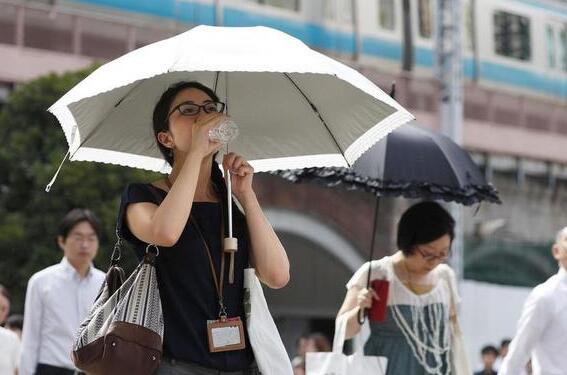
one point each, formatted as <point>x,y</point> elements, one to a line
<point>489,313</point>
<point>532,210</point>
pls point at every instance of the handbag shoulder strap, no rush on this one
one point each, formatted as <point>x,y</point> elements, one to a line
<point>460,362</point>
<point>448,275</point>
<point>117,251</point>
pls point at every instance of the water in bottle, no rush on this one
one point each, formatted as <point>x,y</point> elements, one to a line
<point>225,132</point>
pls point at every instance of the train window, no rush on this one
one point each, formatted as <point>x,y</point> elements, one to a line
<point>329,9</point>
<point>286,4</point>
<point>386,14</point>
<point>550,34</point>
<point>563,48</point>
<point>345,11</point>
<point>512,35</point>
<point>425,18</point>
<point>338,10</point>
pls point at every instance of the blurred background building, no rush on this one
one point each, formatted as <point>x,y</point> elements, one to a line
<point>515,126</point>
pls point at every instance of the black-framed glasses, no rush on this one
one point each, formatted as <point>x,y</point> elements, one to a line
<point>192,109</point>
<point>431,257</point>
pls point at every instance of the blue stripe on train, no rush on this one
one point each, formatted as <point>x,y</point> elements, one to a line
<point>336,41</point>
<point>312,34</point>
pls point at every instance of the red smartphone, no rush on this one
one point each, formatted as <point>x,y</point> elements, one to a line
<point>377,312</point>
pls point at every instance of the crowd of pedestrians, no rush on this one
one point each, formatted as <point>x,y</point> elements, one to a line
<point>59,297</point>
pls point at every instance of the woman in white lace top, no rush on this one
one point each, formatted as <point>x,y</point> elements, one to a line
<point>419,334</point>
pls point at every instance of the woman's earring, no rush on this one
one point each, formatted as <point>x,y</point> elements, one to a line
<point>170,152</point>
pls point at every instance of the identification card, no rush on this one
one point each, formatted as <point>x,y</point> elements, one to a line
<point>225,335</point>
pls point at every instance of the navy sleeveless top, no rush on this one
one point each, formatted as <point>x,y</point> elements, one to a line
<point>186,286</point>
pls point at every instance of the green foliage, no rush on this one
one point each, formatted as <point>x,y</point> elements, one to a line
<point>33,145</point>
<point>509,262</point>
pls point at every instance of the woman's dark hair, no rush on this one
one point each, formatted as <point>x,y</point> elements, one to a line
<point>160,123</point>
<point>321,342</point>
<point>76,216</point>
<point>161,110</point>
<point>423,223</point>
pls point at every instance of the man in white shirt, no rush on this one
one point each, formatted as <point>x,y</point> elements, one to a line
<point>10,344</point>
<point>542,328</point>
<point>503,352</point>
<point>9,341</point>
<point>59,298</point>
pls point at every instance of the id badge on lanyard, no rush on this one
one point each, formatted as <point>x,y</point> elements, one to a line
<point>225,333</point>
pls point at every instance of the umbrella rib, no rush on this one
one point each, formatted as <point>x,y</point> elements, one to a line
<point>450,161</point>
<point>97,128</point>
<point>216,82</point>
<point>138,83</point>
<point>314,108</point>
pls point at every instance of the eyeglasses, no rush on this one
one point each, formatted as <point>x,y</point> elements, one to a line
<point>430,257</point>
<point>82,238</point>
<point>192,109</point>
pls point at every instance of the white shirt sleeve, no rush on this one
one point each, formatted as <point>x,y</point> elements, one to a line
<point>360,277</point>
<point>16,354</point>
<point>531,325</point>
<point>31,333</point>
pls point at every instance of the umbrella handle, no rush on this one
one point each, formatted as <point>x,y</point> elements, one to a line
<point>361,316</point>
<point>364,312</point>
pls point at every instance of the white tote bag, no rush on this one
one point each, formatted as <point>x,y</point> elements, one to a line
<point>270,353</point>
<point>459,362</point>
<point>337,363</point>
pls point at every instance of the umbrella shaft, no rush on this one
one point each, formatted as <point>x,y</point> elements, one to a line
<point>371,254</point>
<point>229,200</point>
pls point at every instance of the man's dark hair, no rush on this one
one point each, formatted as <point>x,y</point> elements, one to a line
<point>304,335</point>
<point>489,349</point>
<point>15,321</point>
<point>422,223</point>
<point>321,342</point>
<point>505,342</point>
<point>76,216</point>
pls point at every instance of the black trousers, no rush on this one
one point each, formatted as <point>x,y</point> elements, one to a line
<point>174,367</point>
<point>43,369</point>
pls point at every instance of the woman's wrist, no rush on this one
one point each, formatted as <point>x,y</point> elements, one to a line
<point>196,154</point>
<point>353,315</point>
<point>248,199</point>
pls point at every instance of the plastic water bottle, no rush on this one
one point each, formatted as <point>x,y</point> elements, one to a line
<point>225,132</point>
